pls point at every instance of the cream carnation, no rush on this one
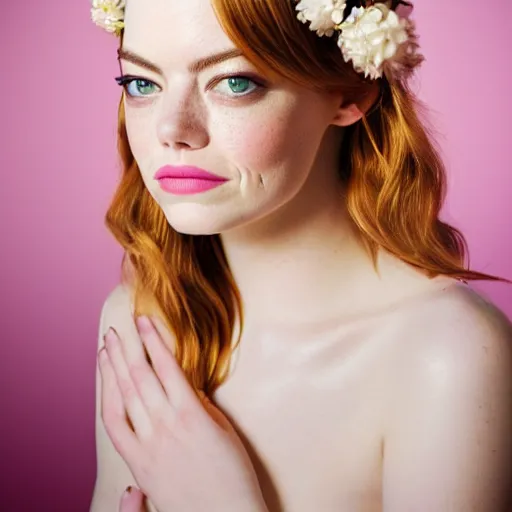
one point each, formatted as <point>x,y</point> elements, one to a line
<point>371,36</point>
<point>108,14</point>
<point>323,15</point>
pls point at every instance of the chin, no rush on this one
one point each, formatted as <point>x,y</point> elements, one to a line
<point>195,230</point>
<point>198,220</point>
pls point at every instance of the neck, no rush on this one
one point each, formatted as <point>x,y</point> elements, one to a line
<point>303,263</point>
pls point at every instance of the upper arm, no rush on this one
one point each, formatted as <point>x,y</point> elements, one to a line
<point>113,475</point>
<point>449,446</point>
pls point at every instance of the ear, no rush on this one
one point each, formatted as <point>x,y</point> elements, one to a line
<point>349,113</point>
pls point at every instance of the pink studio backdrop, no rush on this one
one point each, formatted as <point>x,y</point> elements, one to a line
<point>59,169</point>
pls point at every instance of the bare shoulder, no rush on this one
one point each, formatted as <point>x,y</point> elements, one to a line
<point>113,475</point>
<point>457,326</point>
<point>448,431</point>
<point>454,339</point>
<point>117,309</point>
<point>117,312</point>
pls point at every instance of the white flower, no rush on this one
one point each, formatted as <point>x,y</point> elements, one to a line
<point>324,15</point>
<point>108,14</point>
<point>369,37</point>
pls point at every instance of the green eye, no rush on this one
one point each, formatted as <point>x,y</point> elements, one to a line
<point>236,86</point>
<point>239,84</point>
<point>136,87</point>
<point>140,88</point>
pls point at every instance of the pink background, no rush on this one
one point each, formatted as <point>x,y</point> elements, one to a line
<point>58,165</point>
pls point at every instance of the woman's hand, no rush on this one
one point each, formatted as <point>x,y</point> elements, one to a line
<point>182,451</point>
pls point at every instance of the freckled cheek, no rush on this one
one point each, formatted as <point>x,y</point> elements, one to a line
<point>259,145</point>
<point>141,136</point>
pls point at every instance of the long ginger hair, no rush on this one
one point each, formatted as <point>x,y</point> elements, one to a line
<point>393,175</point>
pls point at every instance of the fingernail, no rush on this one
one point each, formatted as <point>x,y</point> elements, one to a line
<point>144,323</point>
<point>110,335</point>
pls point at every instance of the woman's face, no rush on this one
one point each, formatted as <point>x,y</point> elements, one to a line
<point>262,137</point>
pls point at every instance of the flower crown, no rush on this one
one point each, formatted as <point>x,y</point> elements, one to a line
<point>109,15</point>
<point>372,36</point>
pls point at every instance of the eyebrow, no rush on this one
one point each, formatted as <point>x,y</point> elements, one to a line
<point>195,67</point>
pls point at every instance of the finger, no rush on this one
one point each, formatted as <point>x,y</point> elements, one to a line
<point>143,376</point>
<point>113,412</point>
<point>162,329</point>
<point>166,367</point>
<point>131,399</point>
<point>132,500</point>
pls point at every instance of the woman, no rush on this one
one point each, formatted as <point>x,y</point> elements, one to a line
<point>279,212</point>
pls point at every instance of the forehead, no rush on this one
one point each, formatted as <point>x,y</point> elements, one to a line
<point>182,30</point>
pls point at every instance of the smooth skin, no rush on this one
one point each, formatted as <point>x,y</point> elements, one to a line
<point>447,413</point>
<point>353,389</point>
<point>176,435</point>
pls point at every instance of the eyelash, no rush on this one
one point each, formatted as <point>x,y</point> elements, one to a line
<point>126,80</point>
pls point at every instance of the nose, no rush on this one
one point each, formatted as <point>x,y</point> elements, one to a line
<point>181,122</point>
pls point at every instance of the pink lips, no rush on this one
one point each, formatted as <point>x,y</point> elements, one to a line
<point>184,180</point>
